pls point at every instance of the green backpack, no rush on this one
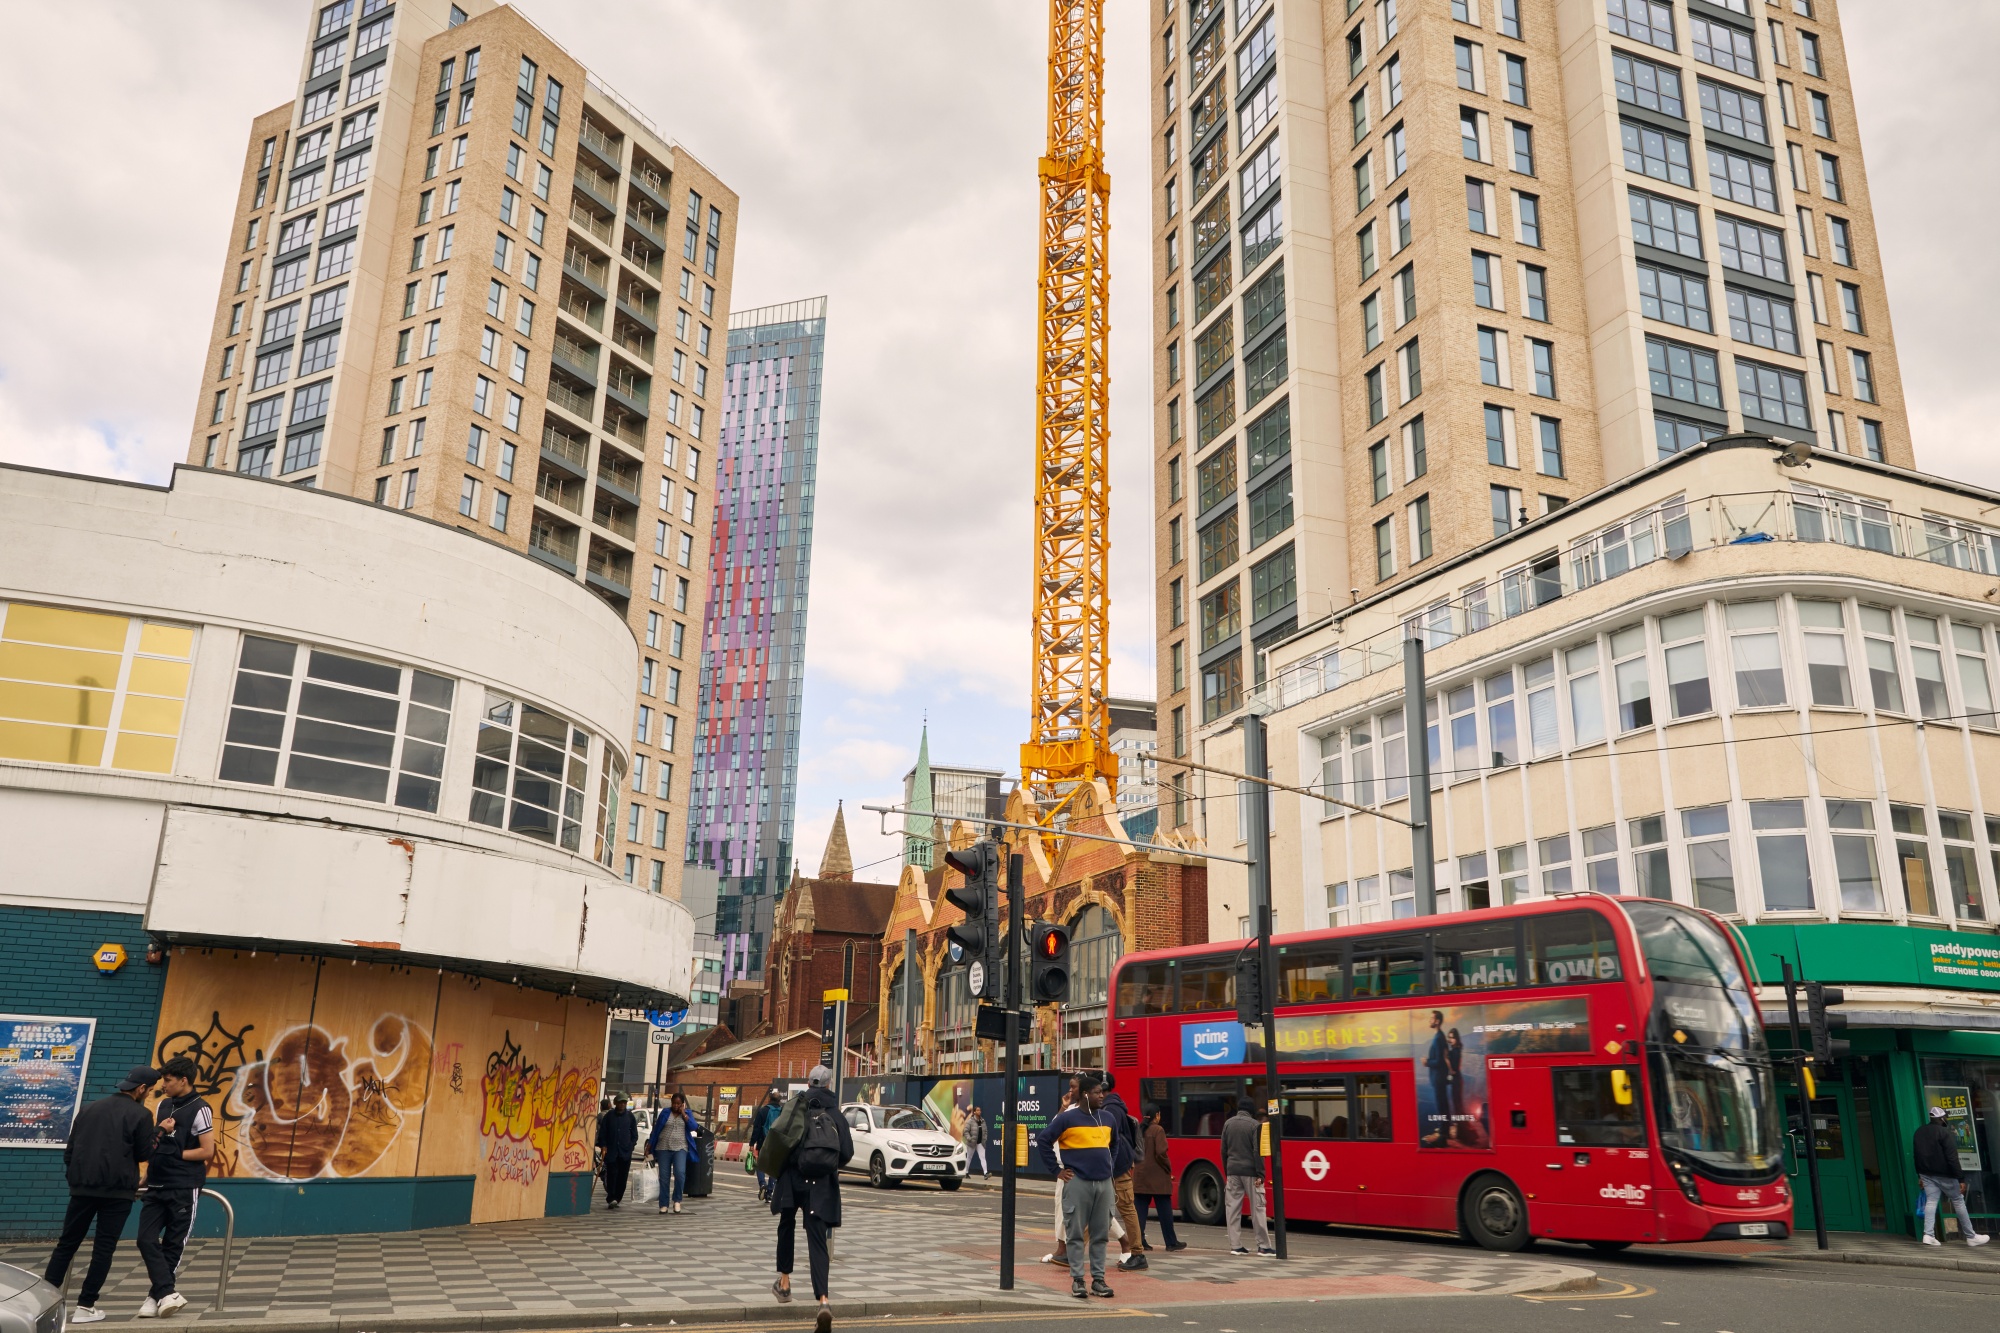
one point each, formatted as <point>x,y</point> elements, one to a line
<point>782,1139</point>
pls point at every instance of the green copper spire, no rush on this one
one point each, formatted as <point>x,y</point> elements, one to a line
<point>917,824</point>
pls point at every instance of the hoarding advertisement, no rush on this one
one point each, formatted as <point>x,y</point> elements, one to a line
<point>1451,1050</point>
<point>43,1064</point>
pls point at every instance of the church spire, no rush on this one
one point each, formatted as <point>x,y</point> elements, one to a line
<point>917,845</point>
<point>838,861</point>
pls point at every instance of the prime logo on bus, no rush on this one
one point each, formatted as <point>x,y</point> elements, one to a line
<point>1212,1043</point>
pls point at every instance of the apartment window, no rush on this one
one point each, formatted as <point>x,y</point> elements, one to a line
<point>1484,280</point>
<point>1410,360</point>
<point>1371,322</point>
<point>1548,432</point>
<point>1378,471</point>
<point>1528,219</point>
<point>1399,223</point>
<point>1747,180</point>
<point>1493,357</point>
<point>1517,79</point>
<point>409,299</point>
<point>1656,153</point>
<point>1772,393</point>
<point>1762,321</point>
<point>440,283</point>
<point>1665,224</point>
<point>1219,546</point>
<point>1732,112</point>
<point>1689,374</point>
<point>1357,112</point>
<point>1750,248</point>
<point>319,353</point>
<point>1472,135</point>
<point>1377,405</point>
<point>1843,241</point>
<point>1467,57</point>
<point>1809,55</point>
<point>1542,356</point>
<point>468,497</point>
<point>1479,207</point>
<point>1723,46</point>
<point>1420,530</point>
<point>1829,176</point>
<point>1850,308</point>
<point>1506,509</point>
<point>410,489</point>
<point>1643,83</point>
<point>275,368</point>
<point>1399,158</point>
<point>1221,615</point>
<point>1535,293</point>
<point>1822,115</point>
<point>1647,21</point>
<point>1365,243</point>
<point>1674,298</point>
<point>1871,433</point>
<point>1510,18</point>
<point>1392,83</point>
<point>1500,445</point>
<point>1861,366</point>
<point>1406,295</point>
<point>1385,549</point>
<point>1364,183</point>
<point>1415,462</point>
<point>1523,138</point>
<point>334,261</point>
<point>1176,604</point>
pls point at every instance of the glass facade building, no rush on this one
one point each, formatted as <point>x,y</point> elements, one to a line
<point>754,633</point>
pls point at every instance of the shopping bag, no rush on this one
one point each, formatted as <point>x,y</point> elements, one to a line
<point>750,1162</point>
<point>647,1186</point>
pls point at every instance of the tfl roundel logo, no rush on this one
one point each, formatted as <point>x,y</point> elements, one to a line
<point>1211,1043</point>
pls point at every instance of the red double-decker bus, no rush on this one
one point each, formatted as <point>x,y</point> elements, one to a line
<point>1581,1068</point>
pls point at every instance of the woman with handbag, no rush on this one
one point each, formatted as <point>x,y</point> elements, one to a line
<point>673,1143</point>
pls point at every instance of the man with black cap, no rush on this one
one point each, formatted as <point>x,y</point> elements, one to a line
<point>617,1136</point>
<point>107,1141</point>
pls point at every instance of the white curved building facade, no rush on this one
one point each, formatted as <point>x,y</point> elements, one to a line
<point>343,785</point>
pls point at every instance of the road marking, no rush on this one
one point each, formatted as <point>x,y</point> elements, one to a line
<point>1628,1291</point>
<point>883,1321</point>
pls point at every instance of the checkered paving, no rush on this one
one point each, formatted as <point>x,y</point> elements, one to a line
<point>911,1245</point>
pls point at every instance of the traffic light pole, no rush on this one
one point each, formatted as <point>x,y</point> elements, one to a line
<point>1009,1118</point>
<point>1800,1058</point>
<point>1257,838</point>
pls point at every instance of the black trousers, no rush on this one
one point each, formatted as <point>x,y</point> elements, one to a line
<point>617,1168</point>
<point>166,1218</point>
<point>1164,1205</point>
<point>110,1216</point>
<point>818,1257</point>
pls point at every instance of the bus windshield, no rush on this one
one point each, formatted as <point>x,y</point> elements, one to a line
<point>1714,1093</point>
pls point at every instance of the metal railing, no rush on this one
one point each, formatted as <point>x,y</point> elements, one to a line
<point>606,566</point>
<point>1667,531</point>
<point>653,228</point>
<point>618,471</point>
<point>566,446</point>
<point>545,536</point>
<point>564,492</point>
<point>586,265</point>
<point>589,221</point>
<point>619,517</point>
<point>634,388</point>
<point>597,183</point>
<point>228,1244</point>
<point>569,399</point>
<point>576,356</point>
<point>641,255</point>
<point>573,303</point>
<point>601,141</point>
<point>620,424</point>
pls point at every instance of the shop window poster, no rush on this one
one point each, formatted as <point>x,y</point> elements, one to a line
<point>1957,1104</point>
<point>43,1065</point>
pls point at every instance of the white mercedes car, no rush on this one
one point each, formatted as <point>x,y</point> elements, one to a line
<point>893,1144</point>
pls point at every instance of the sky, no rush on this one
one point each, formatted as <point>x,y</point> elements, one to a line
<point>884,151</point>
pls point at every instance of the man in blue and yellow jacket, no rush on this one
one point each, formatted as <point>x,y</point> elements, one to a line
<point>1083,1147</point>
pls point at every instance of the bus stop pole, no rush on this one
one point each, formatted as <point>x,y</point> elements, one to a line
<point>1256,805</point>
<point>1011,1002</point>
<point>1417,745</point>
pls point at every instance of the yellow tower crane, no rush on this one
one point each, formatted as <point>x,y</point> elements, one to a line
<point>1070,732</point>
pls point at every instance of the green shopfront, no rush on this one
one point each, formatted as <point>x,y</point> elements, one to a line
<point>1924,1018</point>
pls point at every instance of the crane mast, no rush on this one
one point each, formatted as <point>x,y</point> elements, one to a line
<point>1070,732</point>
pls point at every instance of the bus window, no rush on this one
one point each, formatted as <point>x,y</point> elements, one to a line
<point>1589,1113</point>
<point>1318,1112</point>
<point>1571,947</point>
<point>1388,965</point>
<point>1146,988</point>
<point>1309,973</point>
<point>1208,983</point>
<point>1475,956</point>
<point>1205,1104</point>
<point>1371,1107</point>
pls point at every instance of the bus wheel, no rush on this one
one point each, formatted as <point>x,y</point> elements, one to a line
<point>1495,1215</point>
<point>1201,1195</point>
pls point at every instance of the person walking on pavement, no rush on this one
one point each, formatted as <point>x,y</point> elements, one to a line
<point>1935,1148</point>
<point>617,1137</point>
<point>760,1126</point>
<point>1243,1172</point>
<point>175,1172</point>
<point>107,1141</point>
<point>809,1182</point>
<point>1087,1140</point>
<point>1153,1182</point>
<point>672,1145</point>
<point>1127,1144</point>
<point>1059,1256</point>
<point>975,1140</point>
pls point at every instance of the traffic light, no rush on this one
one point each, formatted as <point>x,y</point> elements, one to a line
<point>1249,988</point>
<point>1048,971</point>
<point>1826,1048</point>
<point>979,898</point>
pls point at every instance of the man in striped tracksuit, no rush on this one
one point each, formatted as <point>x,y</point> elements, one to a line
<point>1092,1152</point>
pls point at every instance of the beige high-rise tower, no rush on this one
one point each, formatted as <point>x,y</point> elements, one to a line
<point>1428,270</point>
<point>468,280</point>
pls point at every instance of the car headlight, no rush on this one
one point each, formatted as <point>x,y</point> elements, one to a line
<point>895,1146</point>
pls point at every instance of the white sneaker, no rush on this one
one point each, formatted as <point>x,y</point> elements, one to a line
<point>677,1208</point>
<point>150,1308</point>
<point>1932,1240</point>
<point>171,1302</point>
<point>86,1314</point>
<point>1977,1240</point>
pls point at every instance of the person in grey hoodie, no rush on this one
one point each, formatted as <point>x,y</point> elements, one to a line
<point>1243,1177</point>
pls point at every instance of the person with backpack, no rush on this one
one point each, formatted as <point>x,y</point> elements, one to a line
<point>673,1144</point>
<point>617,1136</point>
<point>808,1145</point>
<point>107,1141</point>
<point>760,1126</point>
